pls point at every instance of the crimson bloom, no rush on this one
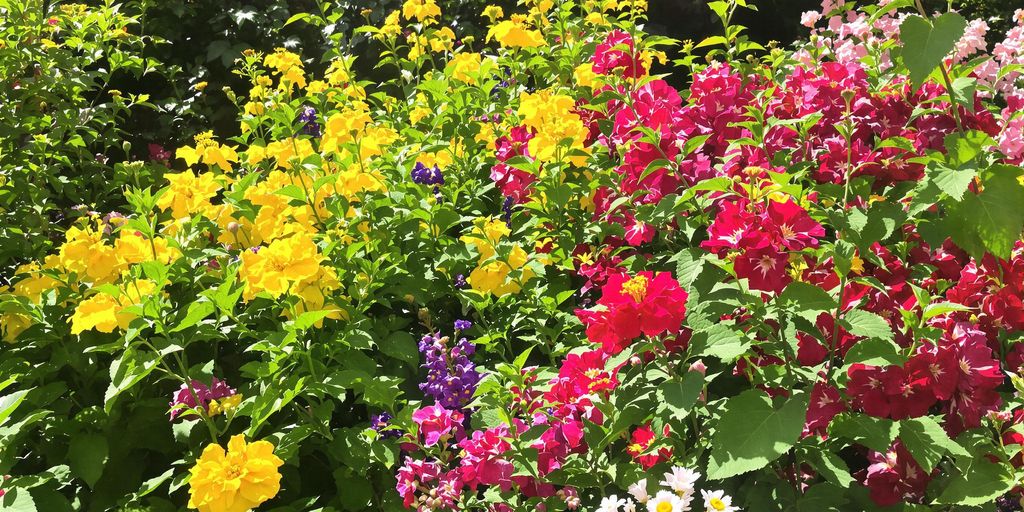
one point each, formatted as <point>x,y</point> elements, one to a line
<point>647,303</point>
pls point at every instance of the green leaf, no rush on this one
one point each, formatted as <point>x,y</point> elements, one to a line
<point>87,456</point>
<point>867,324</point>
<point>875,433</point>
<point>875,352</point>
<point>752,432</point>
<point>926,43</point>
<point>927,441</point>
<point>680,396</point>
<point>17,500</point>
<point>830,466</point>
<point>721,341</point>
<point>806,300</point>
<point>401,345</point>
<point>197,311</point>
<point>992,220</point>
<point>822,498</point>
<point>8,404</point>
<point>941,308</point>
<point>951,181</point>
<point>983,482</point>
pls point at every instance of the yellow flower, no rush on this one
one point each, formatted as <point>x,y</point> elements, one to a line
<point>515,33</point>
<point>189,194</point>
<point>12,324</point>
<point>465,67</point>
<point>225,405</point>
<point>392,28</point>
<point>420,10</point>
<point>275,268</point>
<point>289,66</point>
<point>131,247</point>
<point>584,74</point>
<point>105,312</point>
<point>85,254</point>
<point>209,152</point>
<point>493,12</point>
<point>238,480</point>
<point>552,117</point>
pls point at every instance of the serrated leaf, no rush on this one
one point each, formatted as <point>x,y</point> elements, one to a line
<point>401,345</point>
<point>867,324</point>
<point>992,220</point>
<point>952,181</point>
<point>721,341</point>
<point>752,432</point>
<point>875,433</point>
<point>927,441</point>
<point>983,482</point>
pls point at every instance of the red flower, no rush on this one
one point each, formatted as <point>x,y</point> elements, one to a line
<point>764,269</point>
<point>791,227</point>
<point>895,477</point>
<point>610,55</point>
<point>641,440</point>
<point>825,404</point>
<point>645,304</point>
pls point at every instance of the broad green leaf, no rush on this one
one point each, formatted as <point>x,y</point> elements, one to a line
<point>806,300</point>
<point>752,432</point>
<point>8,404</point>
<point>941,308</point>
<point>875,433</point>
<point>951,181</point>
<point>867,324</point>
<point>927,441</point>
<point>926,42</point>
<point>18,500</point>
<point>401,345</point>
<point>680,396</point>
<point>983,482</point>
<point>992,220</point>
<point>197,311</point>
<point>87,456</point>
<point>721,341</point>
<point>830,466</point>
<point>875,352</point>
<point>822,497</point>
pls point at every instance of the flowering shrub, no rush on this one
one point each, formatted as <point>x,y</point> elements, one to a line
<point>800,280</point>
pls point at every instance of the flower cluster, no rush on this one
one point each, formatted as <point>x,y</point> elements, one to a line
<point>451,375</point>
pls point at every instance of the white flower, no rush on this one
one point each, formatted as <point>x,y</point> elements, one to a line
<point>717,501</point>
<point>629,506</point>
<point>639,491</point>
<point>681,480</point>
<point>666,501</point>
<point>610,504</point>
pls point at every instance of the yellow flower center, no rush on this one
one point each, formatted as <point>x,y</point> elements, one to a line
<point>636,288</point>
<point>635,448</point>
<point>716,504</point>
<point>665,506</point>
<point>234,471</point>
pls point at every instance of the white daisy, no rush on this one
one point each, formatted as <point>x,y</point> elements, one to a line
<point>639,491</point>
<point>717,501</point>
<point>681,480</point>
<point>610,504</point>
<point>629,506</point>
<point>666,501</point>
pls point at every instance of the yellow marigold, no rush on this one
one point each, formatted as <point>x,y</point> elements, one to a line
<point>289,66</point>
<point>235,230</point>
<point>85,254</point>
<point>275,268</point>
<point>209,152</point>
<point>441,40</point>
<point>355,180</point>
<point>552,117</point>
<point>418,113</point>
<point>35,283</point>
<point>189,194</point>
<point>515,33</point>
<point>420,10</point>
<point>291,148</point>
<point>465,67</point>
<point>238,480</point>
<point>343,127</point>
<point>313,294</point>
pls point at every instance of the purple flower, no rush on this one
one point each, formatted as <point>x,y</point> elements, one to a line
<point>424,175</point>
<point>382,424</point>
<point>460,281</point>
<point>308,117</point>
<point>451,375</point>
<point>506,209</point>
<point>463,325</point>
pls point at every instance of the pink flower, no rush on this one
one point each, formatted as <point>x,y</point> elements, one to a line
<point>610,55</point>
<point>482,463</point>
<point>764,269</point>
<point>894,477</point>
<point>199,396</point>
<point>810,18</point>
<point>437,424</point>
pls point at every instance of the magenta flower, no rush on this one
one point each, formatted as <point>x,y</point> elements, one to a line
<point>436,422</point>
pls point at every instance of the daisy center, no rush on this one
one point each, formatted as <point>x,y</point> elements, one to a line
<point>716,504</point>
<point>664,506</point>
